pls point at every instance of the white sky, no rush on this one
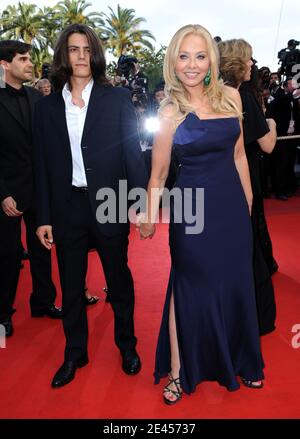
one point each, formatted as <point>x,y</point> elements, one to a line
<point>257,21</point>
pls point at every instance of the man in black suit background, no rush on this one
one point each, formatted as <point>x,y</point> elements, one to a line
<point>17,188</point>
<point>86,139</point>
<point>283,108</point>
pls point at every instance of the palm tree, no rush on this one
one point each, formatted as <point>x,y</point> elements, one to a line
<point>151,64</point>
<point>122,32</point>
<point>51,26</point>
<point>39,57</point>
<point>21,23</point>
<point>5,19</point>
<point>73,11</point>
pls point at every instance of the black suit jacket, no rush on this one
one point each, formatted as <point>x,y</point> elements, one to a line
<point>16,151</point>
<point>280,110</point>
<point>110,149</point>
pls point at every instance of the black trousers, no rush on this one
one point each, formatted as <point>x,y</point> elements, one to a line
<point>279,167</point>
<point>43,290</point>
<point>283,160</point>
<point>82,231</point>
<point>292,184</point>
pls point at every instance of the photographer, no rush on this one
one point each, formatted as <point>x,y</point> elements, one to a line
<point>274,86</point>
<point>263,84</point>
<point>288,57</point>
<point>138,81</point>
<point>129,75</point>
<point>140,102</point>
<point>159,94</point>
<point>119,80</point>
<point>130,70</point>
<point>284,109</point>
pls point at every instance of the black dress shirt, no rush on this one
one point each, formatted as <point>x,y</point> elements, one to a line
<point>20,105</point>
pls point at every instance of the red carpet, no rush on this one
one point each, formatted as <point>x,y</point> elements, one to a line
<point>101,390</point>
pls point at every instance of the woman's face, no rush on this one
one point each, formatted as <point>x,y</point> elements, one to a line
<point>192,62</point>
<point>249,64</point>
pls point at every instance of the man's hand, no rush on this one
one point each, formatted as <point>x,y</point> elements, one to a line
<point>44,233</point>
<point>9,207</point>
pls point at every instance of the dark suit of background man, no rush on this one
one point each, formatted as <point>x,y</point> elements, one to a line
<point>87,139</point>
<point>17,187</point>
<point>283,108</point>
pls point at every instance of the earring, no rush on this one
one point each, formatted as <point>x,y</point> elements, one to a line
<point>207,78</point>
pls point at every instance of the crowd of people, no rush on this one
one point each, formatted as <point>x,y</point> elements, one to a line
<point>78,132</point>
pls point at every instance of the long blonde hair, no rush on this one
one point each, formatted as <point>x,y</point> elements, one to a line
<point>220,98</point>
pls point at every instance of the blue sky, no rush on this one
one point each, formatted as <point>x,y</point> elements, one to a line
<point>254,20</point>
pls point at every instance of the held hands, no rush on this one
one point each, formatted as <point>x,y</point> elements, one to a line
<point>9,207</point>
<point>44,233</point>
<point>147,230</point>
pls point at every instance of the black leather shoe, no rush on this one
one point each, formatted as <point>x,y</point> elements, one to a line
<point>53,312</point>
<point>131,363</point>
<point>24,255</point>
<point>9,329</point>
<point>66,373</point>
<point>105,289</point>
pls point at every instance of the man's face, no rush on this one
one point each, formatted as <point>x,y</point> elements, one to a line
<point>79,56</point>
<point>274,79</point>
<point>19,70</point>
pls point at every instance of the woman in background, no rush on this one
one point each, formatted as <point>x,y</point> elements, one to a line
<point>259,135</point>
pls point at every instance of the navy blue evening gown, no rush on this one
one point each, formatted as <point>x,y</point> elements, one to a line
<point>211,274</point>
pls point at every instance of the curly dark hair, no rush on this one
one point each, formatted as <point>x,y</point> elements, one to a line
<point>61,70</point>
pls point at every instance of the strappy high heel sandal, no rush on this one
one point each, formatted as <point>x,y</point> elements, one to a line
<point>177,393</point>
<point>251,384</point>
<point>92,300</point>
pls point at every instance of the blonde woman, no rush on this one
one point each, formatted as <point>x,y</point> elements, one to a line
<point>209,329</point>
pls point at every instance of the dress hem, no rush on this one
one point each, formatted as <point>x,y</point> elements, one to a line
<point>232,388</point>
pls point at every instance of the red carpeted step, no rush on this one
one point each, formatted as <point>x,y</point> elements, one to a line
<point>101,390</point>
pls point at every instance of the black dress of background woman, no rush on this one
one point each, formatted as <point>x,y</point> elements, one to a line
<point>255,127</point>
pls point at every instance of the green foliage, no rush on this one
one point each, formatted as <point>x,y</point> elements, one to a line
<point>118,30</point>
<point>121,29</point>
<point>151,63</point>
